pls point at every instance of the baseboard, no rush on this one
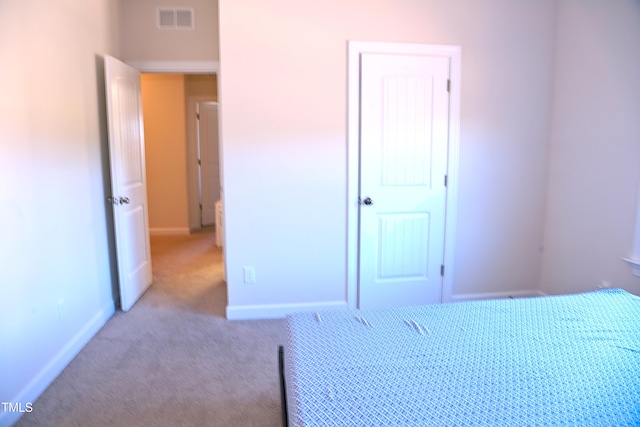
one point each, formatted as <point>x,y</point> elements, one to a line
<point>170,231</point>
<point>56,365</point>
<point>496,295</point>
<point>278,311</point>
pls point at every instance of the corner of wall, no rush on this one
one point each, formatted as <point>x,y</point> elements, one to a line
<point>57,363</point>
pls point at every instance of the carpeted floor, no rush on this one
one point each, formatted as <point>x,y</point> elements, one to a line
<point>173,359</point>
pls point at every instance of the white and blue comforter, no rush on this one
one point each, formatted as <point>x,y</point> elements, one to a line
<point>561,360</point>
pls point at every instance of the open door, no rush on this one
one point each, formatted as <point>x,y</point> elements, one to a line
<point>208,161</point>
<point>128,180</point>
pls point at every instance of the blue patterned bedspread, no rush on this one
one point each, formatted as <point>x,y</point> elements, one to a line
<point>559,360</point>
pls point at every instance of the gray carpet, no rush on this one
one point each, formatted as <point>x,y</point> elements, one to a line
<point>173,359</point>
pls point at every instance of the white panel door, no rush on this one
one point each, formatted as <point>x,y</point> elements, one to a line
<point>128,180</point>
<point>209,161</point>
<point>404,112</point>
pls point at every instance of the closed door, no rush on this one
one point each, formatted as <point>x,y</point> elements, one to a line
<point>404,113</point>
<point>128,180</point>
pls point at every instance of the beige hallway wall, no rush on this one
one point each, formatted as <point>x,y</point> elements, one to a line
<point>163,99</point>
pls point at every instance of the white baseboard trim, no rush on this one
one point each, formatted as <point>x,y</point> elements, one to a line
<point>496,295</point>
<point>56,365</point>
<point>278,311</point>
<point>175,231</point>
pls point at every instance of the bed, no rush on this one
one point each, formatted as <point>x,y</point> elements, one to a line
<point>557,360</point>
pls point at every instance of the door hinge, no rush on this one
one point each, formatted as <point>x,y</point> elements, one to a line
<point>449,85</point>
<point>446,180</point>
<point>198,116</point>
<point>199,162</point>
<point>442,270</point>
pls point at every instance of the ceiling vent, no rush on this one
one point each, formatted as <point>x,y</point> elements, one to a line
<point>170,18</point>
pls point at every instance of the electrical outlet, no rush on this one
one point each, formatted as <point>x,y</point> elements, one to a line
<point>249,275</point>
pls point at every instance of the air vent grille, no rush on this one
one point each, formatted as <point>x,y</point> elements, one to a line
<point>171,18</point>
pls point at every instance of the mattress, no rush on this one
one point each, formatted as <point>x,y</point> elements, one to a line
<point>558,360</point>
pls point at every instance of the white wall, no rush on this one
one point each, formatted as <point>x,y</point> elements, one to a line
<point>143,41</point>
<point>54,241</point>
<point>595,147</point>
<point>283,105</point>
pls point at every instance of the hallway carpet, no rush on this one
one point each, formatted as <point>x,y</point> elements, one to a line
<point>173,359</point>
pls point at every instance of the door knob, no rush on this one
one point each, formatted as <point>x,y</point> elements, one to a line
<point>368,201</point>
<point>124,200</point>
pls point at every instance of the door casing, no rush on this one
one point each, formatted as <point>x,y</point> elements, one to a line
<point>192,160</point>
<point>208,171</point>
<point>355,49</point>
<point>187,67</point>
<point>182,67</point>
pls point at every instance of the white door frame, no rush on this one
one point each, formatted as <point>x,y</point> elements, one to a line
<point>178,67</point>
<point>356,48</point>
<point>192,159</point>
<point>184,67</point>
<point>205,150</point>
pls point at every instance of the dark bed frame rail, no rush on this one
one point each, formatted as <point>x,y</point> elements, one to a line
<point>283,390</point>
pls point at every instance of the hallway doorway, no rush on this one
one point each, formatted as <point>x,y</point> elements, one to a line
<point>182,245</point>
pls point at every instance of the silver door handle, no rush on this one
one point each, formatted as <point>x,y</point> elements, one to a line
<point>368,201</point>
<point>124,200</point>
